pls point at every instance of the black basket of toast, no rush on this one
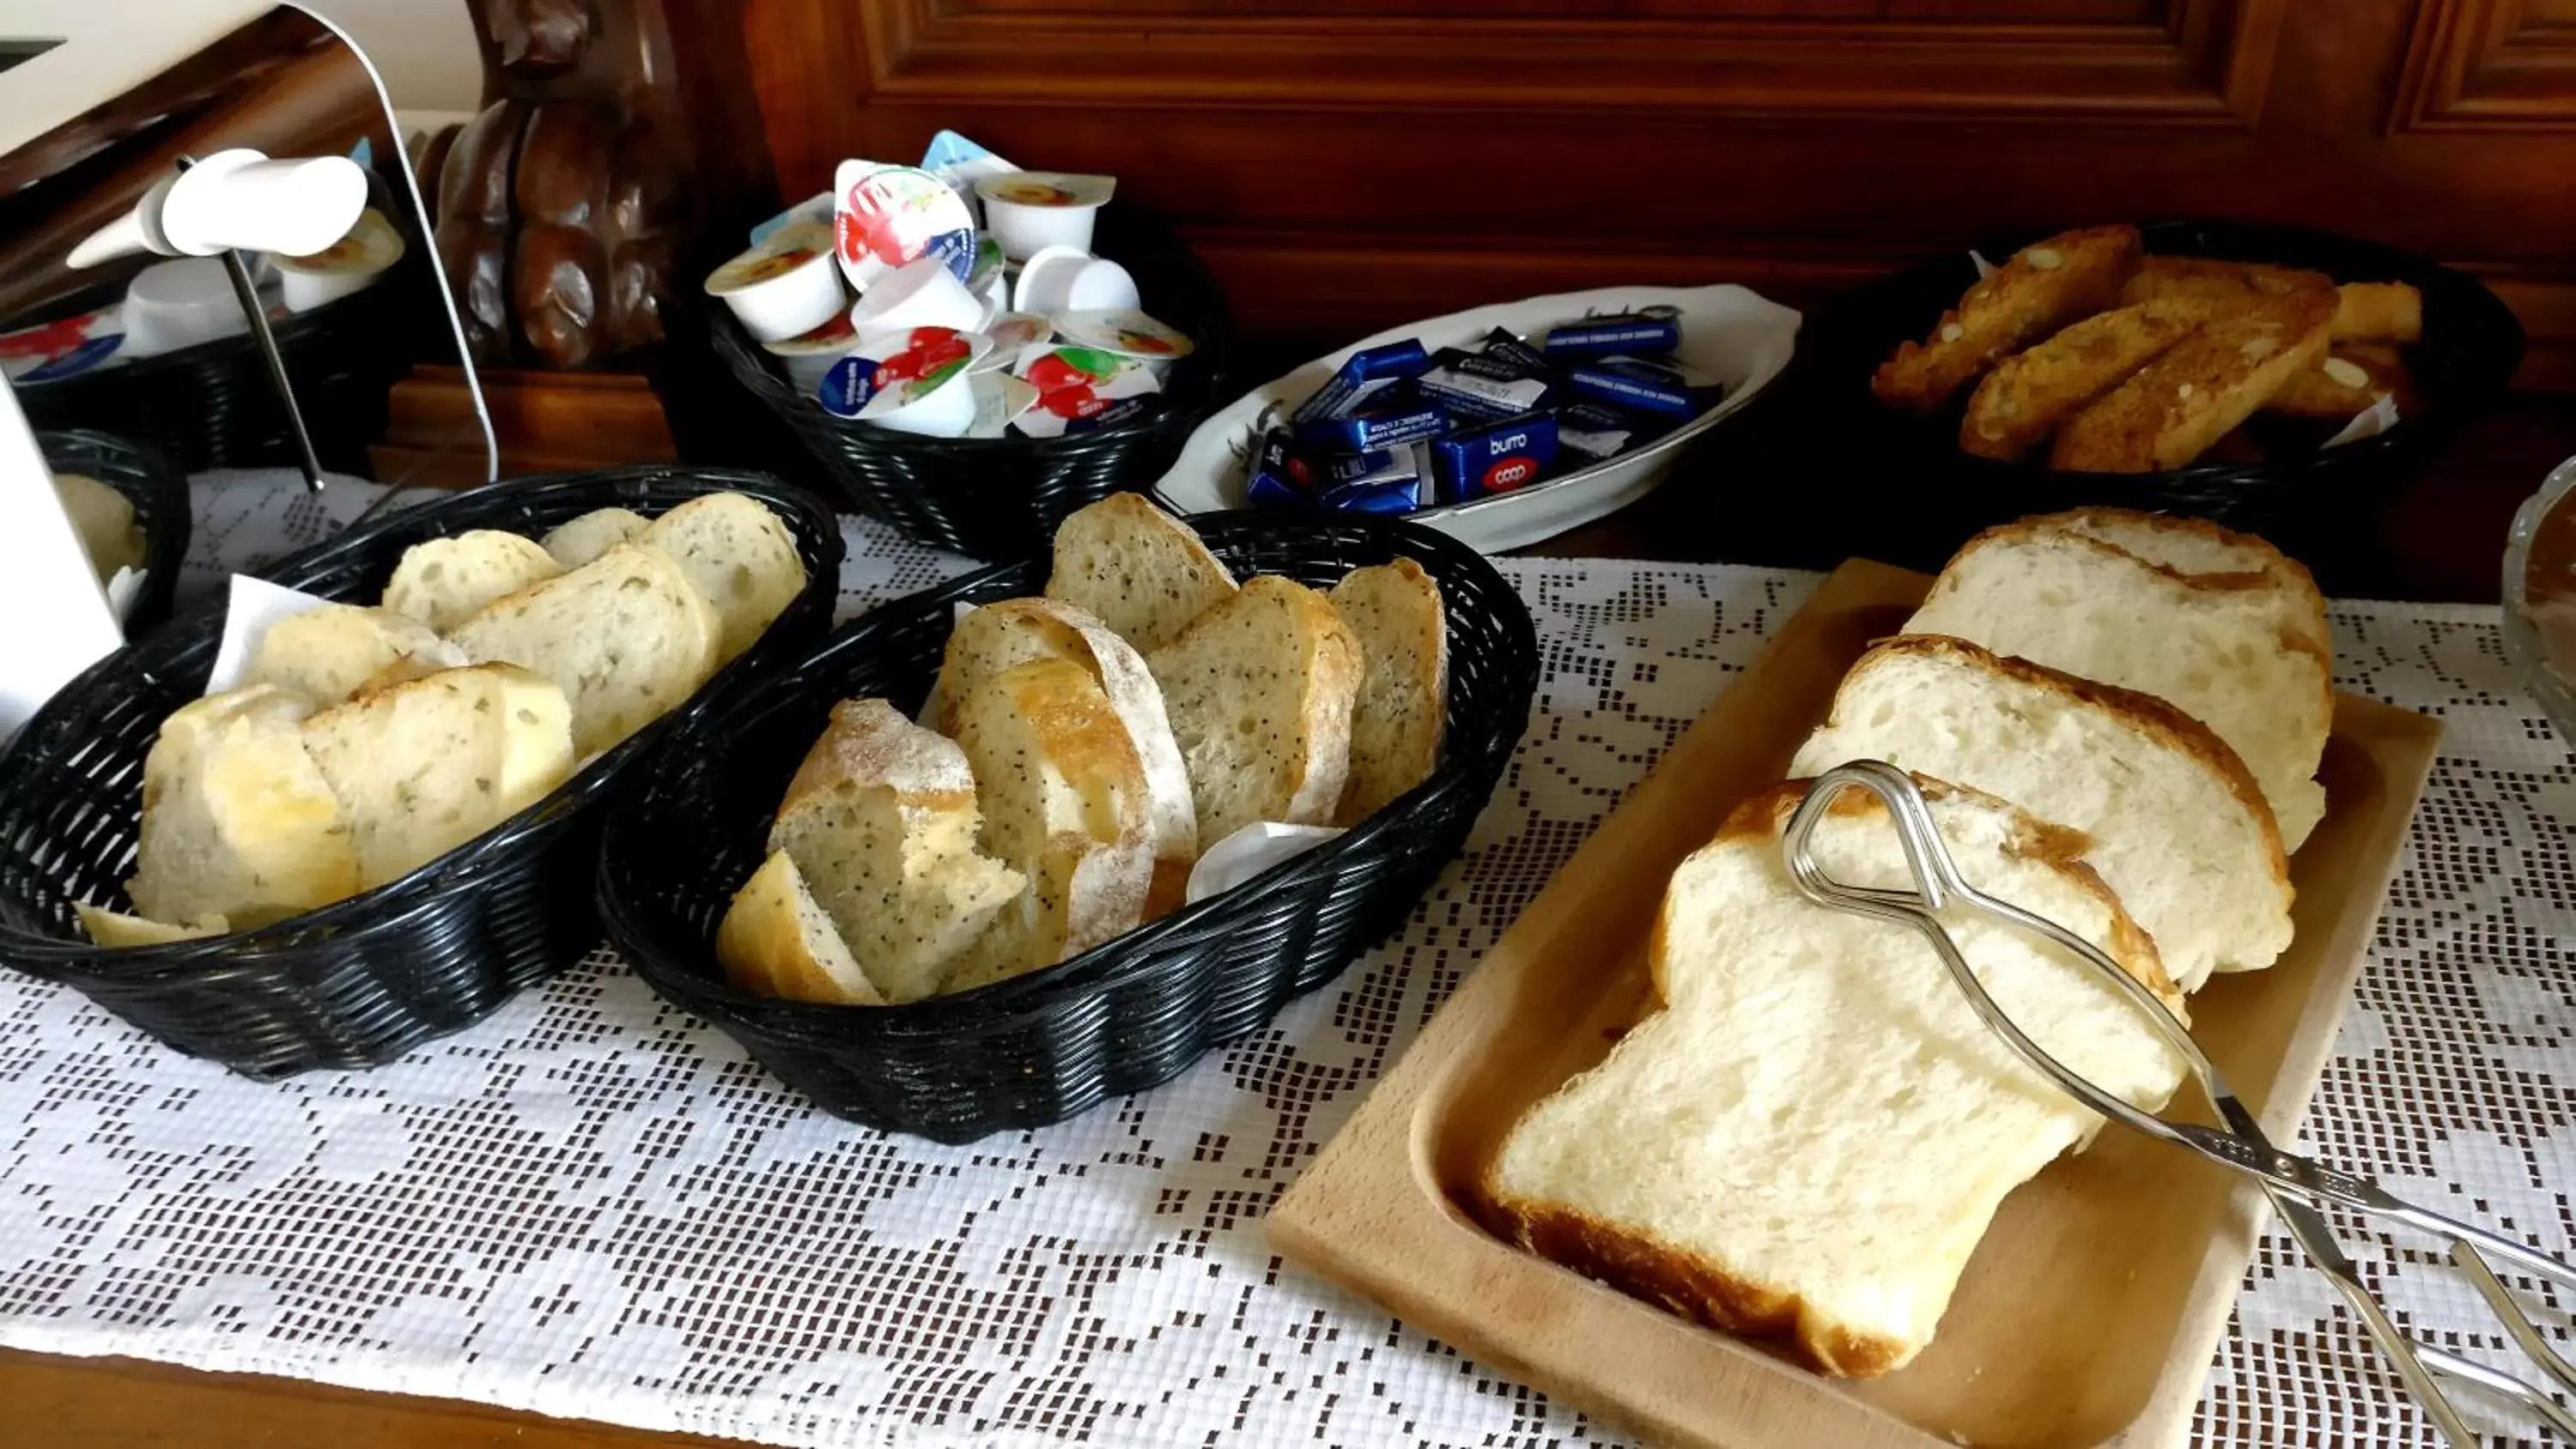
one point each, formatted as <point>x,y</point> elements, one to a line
<point>735,880</point>
<point>1001,498</point>
<point>392,825</point>
<point>149,533</point>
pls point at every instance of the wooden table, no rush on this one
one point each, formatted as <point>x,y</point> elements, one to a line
<point>1744,503</point>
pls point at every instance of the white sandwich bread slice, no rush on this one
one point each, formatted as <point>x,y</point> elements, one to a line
<point>2224,648</point>
<point>1066,805</point>
<point>237,820</point>
<point>427,765</point>
<point>1394,610</point>
<point>116,930</point>
<point>581,540</point>
<point>1811,1134</point>
<point>741,558</point>
<point>332,652</point>
<point>1260,692</point>
<point>2179,830</point>
<point>777,940</point>
<point>2197,548</point>
<point>1013,632</point>
<point>627,636</point>
<point>881,823</point>
<point>1138,569</point>
<point>446,581</point>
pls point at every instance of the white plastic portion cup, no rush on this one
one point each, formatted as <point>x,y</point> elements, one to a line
<point>946,411</point>
<point>783,288</point>
<point>1031,211</point>
<point>1046,280</point>
<point>1099,285</point>
<point>176,304</point>
<point>920,293</point>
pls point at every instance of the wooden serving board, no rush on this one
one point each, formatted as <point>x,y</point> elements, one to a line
<point>2090,1311</point>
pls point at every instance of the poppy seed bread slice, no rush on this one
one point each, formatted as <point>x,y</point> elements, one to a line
<point>1261,691</point>
<point>1394,611</point>
<point>1138,569</point>
<point>777,940</point>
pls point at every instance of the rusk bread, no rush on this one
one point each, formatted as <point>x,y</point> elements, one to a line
<point>777,940</point>
<point>1812,1133</point>
<point>581,540</point>
<point>1261,692</point>
<point>881,823</point>
<point>741,558</point>
<point>1012,632</point>
<point>237,820</point>
<point>2038,290</point>
<point>2179,830</point>
<point>2218,287</point>
<point>332,652</point>
<point>446,581</point>
<point>2170,411</point>
<point>2379,312</point>
<point>117,930</point>
<point>2029,393</point>
<point>1136,568</point>
<point>627,636</point>
<point>1395,612</point>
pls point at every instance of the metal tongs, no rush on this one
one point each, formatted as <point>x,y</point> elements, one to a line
<point>2294,1184</point>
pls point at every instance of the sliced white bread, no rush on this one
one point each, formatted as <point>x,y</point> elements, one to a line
<point>117,930</point>
<point>1066,805</point>
<point>1395,612</point>
<point>777,940</point>
<point>1013,632</point>
<point>2219,647</point>
<point>881,823</point>
<point>446,581</point>
<point>627,636</point>
<point>1812,1133</point>
<point>332,652</point>
<point>2179,830</point>
<point>1138,569</point>
<point>580,540</point>
<point>2197,548</point>
<point>237,820</point>
<point>1260,692</point>
<point>104,520</point>
<point>740,556</point>
<point>428,765</point>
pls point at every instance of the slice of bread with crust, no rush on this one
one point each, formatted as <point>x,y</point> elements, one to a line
<point>427,765</point>
<point>2029,393</point>
<point>881,823</point>
<point>1261,691</point>
<point>2230,650</point>
<point>332,652</point>
<point>2195,548</point>
<point>1138,569</point>
<point>2178,828</point>
<point>627,636</point>
<point>777,940</point>
<point>446,581</point>
<point>740,557</point>
<point>117,930</point>
<point>1013,632</point>
<point>2037,291</point>
<point>2170,411</point>
<point>1395,612</point>
<point>237,820</point>
<point>1066,805</point>
<point>1811,1134</point>
<point>582,540</point>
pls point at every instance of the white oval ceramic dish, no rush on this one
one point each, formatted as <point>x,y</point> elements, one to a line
<point>1729,332</point>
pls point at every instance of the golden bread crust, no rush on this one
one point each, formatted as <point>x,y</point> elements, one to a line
<point>2040,289</point>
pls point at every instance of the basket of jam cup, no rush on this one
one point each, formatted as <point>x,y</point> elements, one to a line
<point>159,493</point>
<point>1001,498</point>
<point>1128,1014</point>
<point>362,981</point>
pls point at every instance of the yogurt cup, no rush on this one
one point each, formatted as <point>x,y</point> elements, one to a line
<point>807,357</point>
<point>1046,280</point>
<point>344,268</point>
<point>176,304</point>
<point>885,216</point>
<point>785,287</point>
<point>1033,210</point>
<point>911,382</point>
<point>1124,331</point>
<point>52,351</point>
<point>1077,384</point>
<point>920,293</point>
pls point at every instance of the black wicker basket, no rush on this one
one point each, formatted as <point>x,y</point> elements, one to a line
<point>360,982</point>
<point>1001,498</point>
<point>159,493</point>
<point>1129,1014</point>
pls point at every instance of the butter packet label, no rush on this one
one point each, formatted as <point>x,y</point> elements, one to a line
<point>1646,330</point>
<point>1497,458</point>
<point>1399,420</point>
<point>1482,386</point>
<point>1362,376</point>
<point>1393,480</point>
<point>1598,432</point>
<point>1501,344</point>
<point>1647,386</point>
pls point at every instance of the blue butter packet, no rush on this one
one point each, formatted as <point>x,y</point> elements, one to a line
<point>1398,420</point>
<point>1366,373</point>
<point>1647,386</point>
<point>1275,475</point>
<point>1482,386</point>
<point>1399,483</point>
<point>1646,330</point>
<point>1494,458</point>
<point>1501,344</point>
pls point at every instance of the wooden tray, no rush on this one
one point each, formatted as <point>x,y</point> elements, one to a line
<point>2088,1315</point>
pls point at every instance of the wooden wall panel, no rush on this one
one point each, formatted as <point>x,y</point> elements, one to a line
<point>2492,65</point>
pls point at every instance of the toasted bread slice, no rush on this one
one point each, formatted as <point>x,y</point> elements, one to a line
<point>1811,1133</point>
<point>117,930</point>
<point>1001,636</point>
<point>2043,287</point>
<point>582,540</point>
<point>2179,830</point>
<point>2379,312</point>
<point>2344,382</point>
<point>740,557</point>
<point>1395,612</point>
<point>1261,692</point>
<point>446,581</point>
<point>1138,569</point>
<point>627,636</point>
<point>331,652</point>
<point>2029,393</point>
<point>428,765</point>
<point>777,940</point>
<point>2170,411</point>
<point>2215,290</point>
<point>881,824</point>
<point>237,821</point>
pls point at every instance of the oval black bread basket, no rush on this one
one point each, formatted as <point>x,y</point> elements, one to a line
<point>1917,488</point>
<point>1130,1013</point>
<point>363,981</point>
<point>1001,498</point>
<point>159,493</point>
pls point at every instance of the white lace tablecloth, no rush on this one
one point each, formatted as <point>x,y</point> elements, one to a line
<point>591,1205</point>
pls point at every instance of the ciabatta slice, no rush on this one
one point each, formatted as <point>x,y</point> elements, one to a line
<point>117,930</point>
<point>1139,569</point>
<point>1260,692</point>
<point>777,940</point>
<point>330,653</point>
<point>740,556</point>
<point>1395,613</point>
<point>446,581</point>
<point>2179,830</point>
<point>1812,1133</point>
<point>881,823</point>
<point>581,540</point>
<point>237,821</point>
<point>627,636</point>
